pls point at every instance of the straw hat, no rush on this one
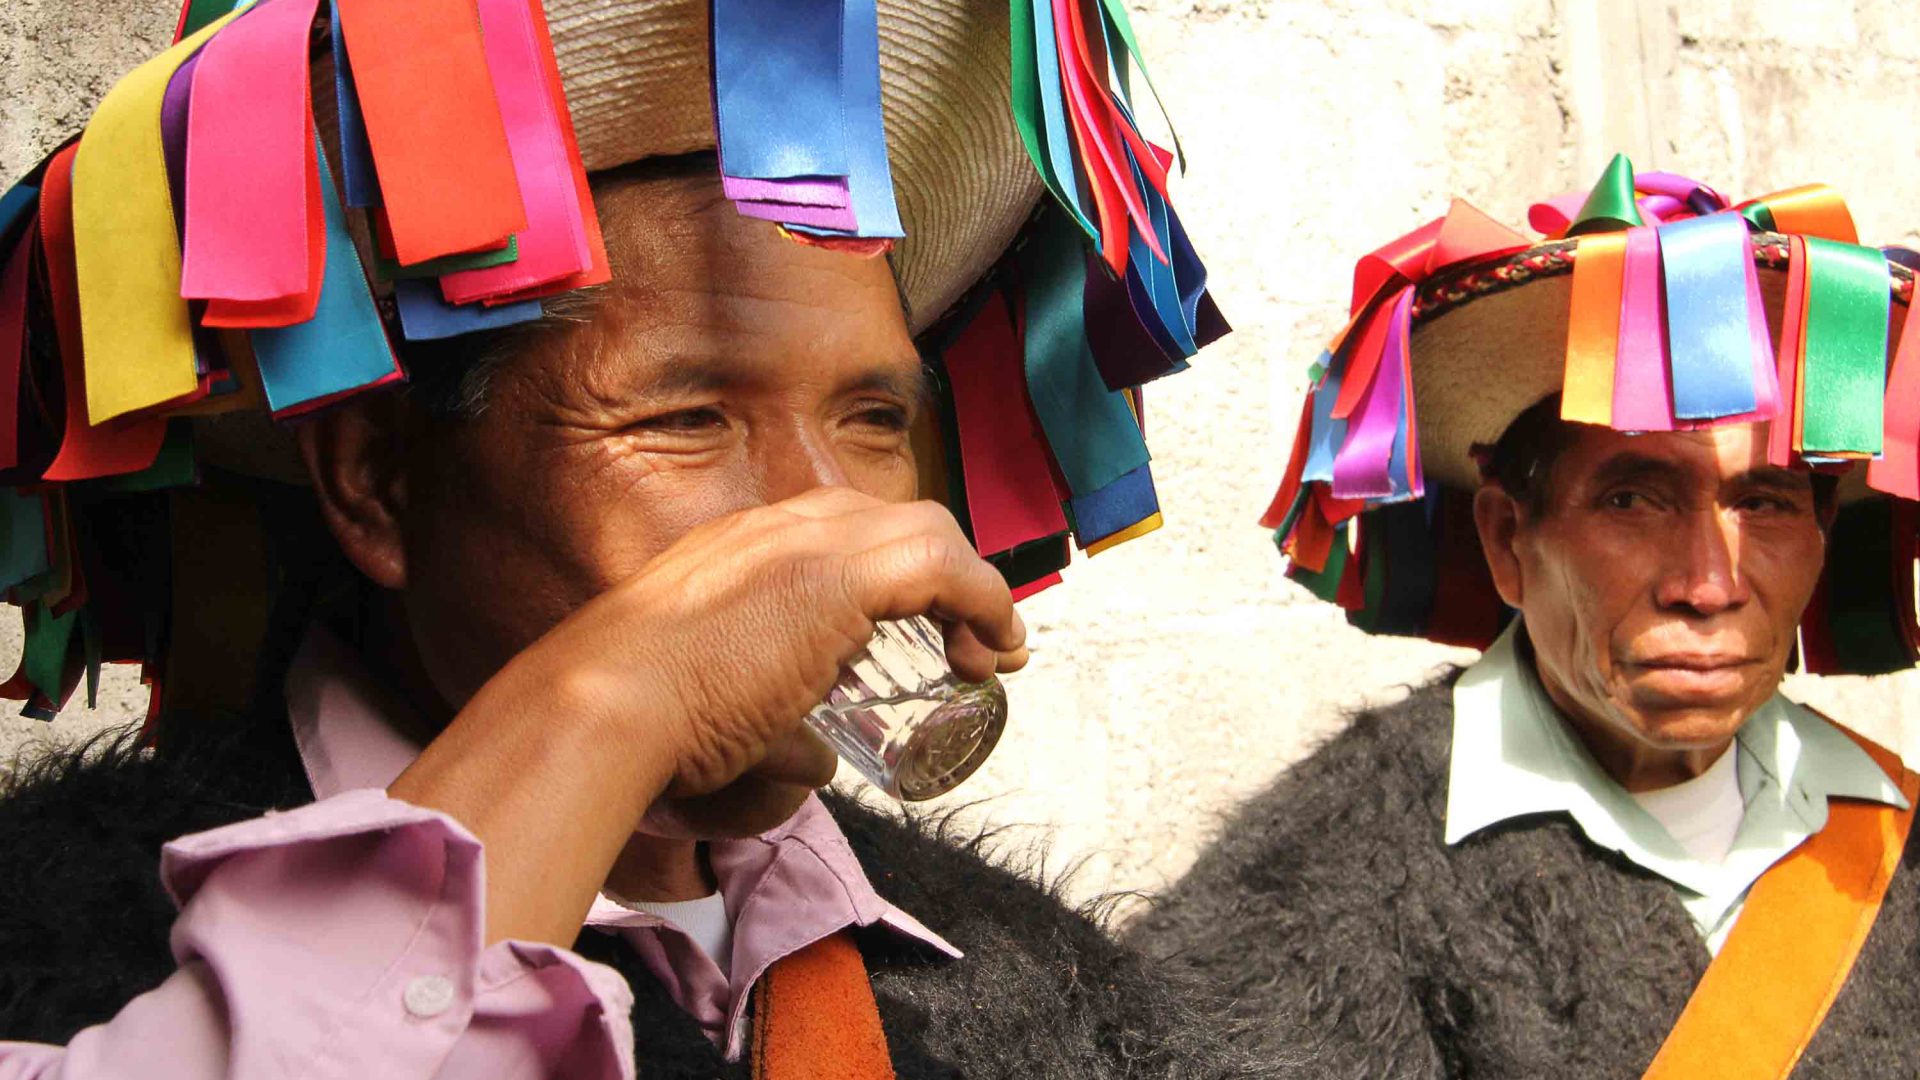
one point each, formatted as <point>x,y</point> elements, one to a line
<point>1651,303</point>
<point>638,78</point>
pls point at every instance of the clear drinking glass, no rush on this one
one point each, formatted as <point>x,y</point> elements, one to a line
<point>901,717</point>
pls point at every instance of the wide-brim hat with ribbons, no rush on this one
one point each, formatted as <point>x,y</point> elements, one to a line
<point>257,222</point>
<point>1651,303</point>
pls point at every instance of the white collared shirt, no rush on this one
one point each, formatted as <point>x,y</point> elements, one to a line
<point>1513,756</point>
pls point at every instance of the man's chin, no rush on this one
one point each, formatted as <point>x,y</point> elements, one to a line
<point>747,807</point>
<point>1689,724</point>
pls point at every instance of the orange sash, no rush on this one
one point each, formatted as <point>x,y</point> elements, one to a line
<point>815,1018</point>
<point>1763,998</point>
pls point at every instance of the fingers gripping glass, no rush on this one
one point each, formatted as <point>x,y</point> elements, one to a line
<point>901,717</point>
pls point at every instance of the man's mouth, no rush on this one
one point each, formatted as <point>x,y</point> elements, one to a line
<point>1693,661</point>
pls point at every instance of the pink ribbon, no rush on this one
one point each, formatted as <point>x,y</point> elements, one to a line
<point>249,159</point>
<point>1363,469</point>
<point>554,244</point>
<point>1642,380</point>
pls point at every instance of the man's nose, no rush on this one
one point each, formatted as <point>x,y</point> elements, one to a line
<point>1703,571</point>
<point>798,460</point>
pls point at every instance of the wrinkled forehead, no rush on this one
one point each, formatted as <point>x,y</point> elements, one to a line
<point>702,294</point>
<point>1708,457</point>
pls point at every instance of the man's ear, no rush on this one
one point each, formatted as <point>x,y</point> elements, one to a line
<point>1496,515</point>
<point>355,458</point>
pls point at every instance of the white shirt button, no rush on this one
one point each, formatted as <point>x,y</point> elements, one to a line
<point>428,996</point>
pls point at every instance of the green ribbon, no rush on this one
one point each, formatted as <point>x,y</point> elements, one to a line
<point>48,639</point>
<point>1027,109</point>
<point>1761,217</point>
<point>1610,206</point>
<point>1844,366</point>
<point>389,270</point>
<point>1374,578</point>
<point>1093,435</point>
<point>1862,622</point>
<point>1117,17</point>
<point>201,12</point>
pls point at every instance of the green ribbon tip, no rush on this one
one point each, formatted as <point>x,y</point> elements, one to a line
<point>1610,206</point>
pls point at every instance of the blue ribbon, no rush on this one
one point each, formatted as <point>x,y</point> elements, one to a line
<point>1053,113</point>
<point>1703,264</point>
<point>1120,505</point>
<point>1328,433</point>
<point>425,314</point>
<point>776,72</point>
<point>1159,277</point>
<point>15,205</point>
<point>1090,429</point>
<point>343,347</point>
<point>870,180</point>
<point>356,153</point>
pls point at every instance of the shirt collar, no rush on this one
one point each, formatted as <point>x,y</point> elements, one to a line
<point>784,889</point>
<point>1514,756</point>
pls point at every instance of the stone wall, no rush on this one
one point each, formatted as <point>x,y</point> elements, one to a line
<point>1181,671</point>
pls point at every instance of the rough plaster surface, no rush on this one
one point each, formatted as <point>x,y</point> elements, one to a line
<point>1181,671</point>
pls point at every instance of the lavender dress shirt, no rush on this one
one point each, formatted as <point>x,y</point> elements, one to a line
<point>343,939</point>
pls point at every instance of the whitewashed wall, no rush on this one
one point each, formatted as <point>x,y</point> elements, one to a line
<point>1180,672</point>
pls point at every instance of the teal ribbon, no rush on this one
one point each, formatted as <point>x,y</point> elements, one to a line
<point>344,346</point>
<point>23,554</point>
<point>1092,433</point>
<point>1844,366</point>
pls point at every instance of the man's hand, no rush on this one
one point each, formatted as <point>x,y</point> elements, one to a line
<point>688,677</point>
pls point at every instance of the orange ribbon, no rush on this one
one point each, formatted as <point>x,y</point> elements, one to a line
<point>815,1017</point>
<point>1593,328</point>
<point>1763,998</point>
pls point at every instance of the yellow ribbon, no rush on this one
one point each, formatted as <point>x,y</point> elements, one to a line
<point>1132,532</point>
<point>134,325</point>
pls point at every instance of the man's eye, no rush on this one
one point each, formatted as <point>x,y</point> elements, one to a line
<point>1765,504</point>
<point>886,417</point>
<point>685,420</point>
<point>1624,500</point>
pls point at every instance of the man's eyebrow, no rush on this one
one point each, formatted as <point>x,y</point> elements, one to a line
<point>1775,478</point>
<point>687,375</point>
<point>1631,466</point>
<point>908,381</point>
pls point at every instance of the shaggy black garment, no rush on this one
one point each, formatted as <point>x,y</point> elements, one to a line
<point>1043,992</point>
<point>1335,916</point>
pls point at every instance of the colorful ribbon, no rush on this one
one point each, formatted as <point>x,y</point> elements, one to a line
<point>1089,429</point>
<point>135,326</point>
<point>1704,263</point>
<point>552,248</point>
<point>1843,376</point>
<point>432,113</point>
<point>86,450</point>
<point>1010,500</point>
<point>1642,375</point>
<point>343,348</point>
<point>250,176</point>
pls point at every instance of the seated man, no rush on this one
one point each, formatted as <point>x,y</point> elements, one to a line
<point>1609,848</point>
<point>520,787</point>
